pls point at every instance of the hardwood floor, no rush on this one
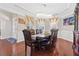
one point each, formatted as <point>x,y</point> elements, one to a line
<point>19,49</point>
<point>63,48</point>
<point>5,48</point>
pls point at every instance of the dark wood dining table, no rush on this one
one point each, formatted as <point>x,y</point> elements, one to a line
<point>39,38</point>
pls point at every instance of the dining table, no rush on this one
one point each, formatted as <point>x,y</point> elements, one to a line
<point>37,35</point>
<point>39,38</point>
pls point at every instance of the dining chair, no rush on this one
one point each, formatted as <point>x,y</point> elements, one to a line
<point>44,43</point>
<point>49,42</point>
<point>28,40</point>
<point>32,31</point>
<point>75,45</point>
<point>54,33</point>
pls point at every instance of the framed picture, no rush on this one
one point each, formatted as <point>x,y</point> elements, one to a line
<point>69,21</point>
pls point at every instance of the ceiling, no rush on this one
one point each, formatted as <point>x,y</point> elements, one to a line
<point>60,9</point>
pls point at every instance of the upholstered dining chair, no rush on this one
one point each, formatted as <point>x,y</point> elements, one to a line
<point>32,31</point>
<point>49,42</point>
<point>28,40</point>
<point>54,33</point>
<point>44,43</point>
<point>75,45</point>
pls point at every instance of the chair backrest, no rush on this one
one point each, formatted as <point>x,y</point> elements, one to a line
<point>27,35</point>
<point>76,37</point>
<point>32,31</point>
<point>75,45</point>
<point>54,33</point>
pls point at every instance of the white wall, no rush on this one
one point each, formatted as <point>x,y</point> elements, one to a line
<point>65,32</point>
<point>5,26</point>
<point>20,33</point>
<point>0,27</point>
<point>67,35</point>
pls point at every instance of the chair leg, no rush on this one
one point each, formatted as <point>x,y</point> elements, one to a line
<point>31,51</point>
<point>25,50</point>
